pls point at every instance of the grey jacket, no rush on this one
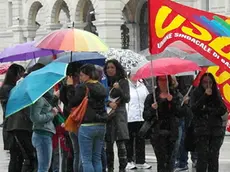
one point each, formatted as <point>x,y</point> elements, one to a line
<point>41,116</point>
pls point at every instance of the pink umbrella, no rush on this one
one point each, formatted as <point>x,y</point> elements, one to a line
<point>165,66</point>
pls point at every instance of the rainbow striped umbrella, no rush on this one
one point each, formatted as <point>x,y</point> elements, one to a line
<point>72,40</point>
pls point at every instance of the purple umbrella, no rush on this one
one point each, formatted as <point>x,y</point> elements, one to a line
<point>25,51</point>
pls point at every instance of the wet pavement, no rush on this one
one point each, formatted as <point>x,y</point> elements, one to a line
<point>150,158</point>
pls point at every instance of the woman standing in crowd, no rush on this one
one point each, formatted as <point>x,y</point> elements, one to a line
<point>117,126</point>
<point>92,130</point>
<point>73,70</point>
<point>208,108</point>
<point>136,145</point>
<point>17,129</point>
<point>164,113</point>
<point>42,115</point>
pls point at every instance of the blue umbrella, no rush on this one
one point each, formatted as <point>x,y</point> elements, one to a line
<point>34,86</point>
<point>83,57</point>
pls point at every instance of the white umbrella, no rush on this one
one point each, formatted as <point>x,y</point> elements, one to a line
<point>128,58</point>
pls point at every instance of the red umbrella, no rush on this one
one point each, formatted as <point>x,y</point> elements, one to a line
<point>165,66</point>
<point>4,68</point>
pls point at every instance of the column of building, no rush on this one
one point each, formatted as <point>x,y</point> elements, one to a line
<point>109,21</point>
<point>17,22</point>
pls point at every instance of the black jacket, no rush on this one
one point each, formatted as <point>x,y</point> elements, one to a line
<point>117,126</point>
<point>96,105</point>
<point>207,111</point>
<point>19,120</point>
<point>168,114</point>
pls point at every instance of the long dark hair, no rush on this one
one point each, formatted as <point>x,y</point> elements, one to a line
<point>215,91</point>
<point>120,72</point>
<point>14,73</point>
<point>90,70</point>
<point>170,85</point>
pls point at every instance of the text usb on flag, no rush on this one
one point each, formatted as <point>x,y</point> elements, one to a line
<point>207,33</point>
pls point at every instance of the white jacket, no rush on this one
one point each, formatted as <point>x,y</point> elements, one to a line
<point>135,107</point>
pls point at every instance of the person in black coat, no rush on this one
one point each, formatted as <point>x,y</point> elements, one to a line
<point>73,71</point>
<point>17,129</point>
<point>208,108</point>
<point>165,114</point>
<point>117,126</point>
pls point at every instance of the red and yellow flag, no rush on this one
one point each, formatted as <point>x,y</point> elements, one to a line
<point>222,79</point>
<point>207,33</point>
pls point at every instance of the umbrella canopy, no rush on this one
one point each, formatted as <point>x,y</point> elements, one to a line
<point>72,40</point>
<point>165,66</point>
<point>83,57</point>
<point>25,51</point>
<point>44,60</point>
<point>34,86</point>
<point>181,50</point>
<point>199,59</point>
<point>168,52</point>
<point>128,59</point>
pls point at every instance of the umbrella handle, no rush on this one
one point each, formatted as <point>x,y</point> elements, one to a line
<point>190,89</point>
<point>153,87</point>
<point>71,56</point>
<point>167,84</point>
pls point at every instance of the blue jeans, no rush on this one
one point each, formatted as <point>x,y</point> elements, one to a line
<point>91,141</point>
<point>182,157</point>
<point>77,166</point>
<point>43,146</point>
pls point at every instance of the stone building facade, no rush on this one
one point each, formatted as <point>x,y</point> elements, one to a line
<point>27,20</point>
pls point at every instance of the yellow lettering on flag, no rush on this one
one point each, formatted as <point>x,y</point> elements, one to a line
<point>223,77</point>
<point>218,44</point>
<point>204,34</point>
<point>161,16</point>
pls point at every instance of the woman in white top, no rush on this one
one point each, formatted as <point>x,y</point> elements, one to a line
<point>136,145</point>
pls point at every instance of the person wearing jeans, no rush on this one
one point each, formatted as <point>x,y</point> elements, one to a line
<point>77,161</point>
<point>43,146</point>
<point>42,114</point>
<point>92,130</point>
<point>91,140</point>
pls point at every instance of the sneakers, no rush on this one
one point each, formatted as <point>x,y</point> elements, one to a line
<point>131,166</point>
<point>144,166</point>
<point>181,169</point>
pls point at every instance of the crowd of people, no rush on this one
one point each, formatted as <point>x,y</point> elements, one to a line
<point>120,110</point>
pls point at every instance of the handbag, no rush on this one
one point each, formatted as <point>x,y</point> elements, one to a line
<point>77,114</point>
<point>145,128</point>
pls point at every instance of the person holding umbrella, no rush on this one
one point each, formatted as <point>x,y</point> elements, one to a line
<point>164,113</point>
